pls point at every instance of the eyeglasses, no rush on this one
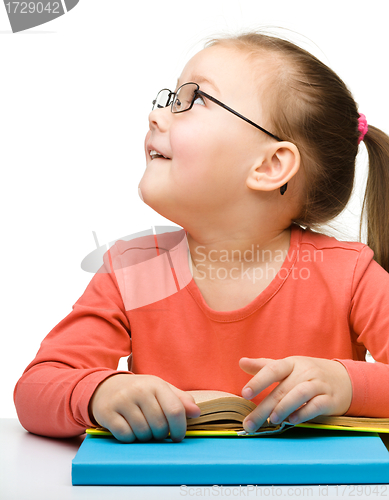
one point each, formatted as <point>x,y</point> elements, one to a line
<point>184,98</point>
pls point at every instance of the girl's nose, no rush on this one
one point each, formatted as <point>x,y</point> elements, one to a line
<point>160,118</point>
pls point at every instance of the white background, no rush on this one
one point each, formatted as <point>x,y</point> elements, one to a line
<point>75,98</point>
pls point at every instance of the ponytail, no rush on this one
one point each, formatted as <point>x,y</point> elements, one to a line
<point>376,200</point>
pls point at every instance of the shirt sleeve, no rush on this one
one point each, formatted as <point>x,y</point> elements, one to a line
<point>369,324</point>
<point>53,394</point>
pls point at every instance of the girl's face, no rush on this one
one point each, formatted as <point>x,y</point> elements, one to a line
<point>210,151</point>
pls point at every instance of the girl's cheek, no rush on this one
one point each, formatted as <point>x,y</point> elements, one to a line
<point>178,138</point>
<point>146,140</point>
<point>188,136</point>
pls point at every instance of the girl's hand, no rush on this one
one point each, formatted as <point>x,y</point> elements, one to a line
<point>142,407</point>
<point>307,387</point>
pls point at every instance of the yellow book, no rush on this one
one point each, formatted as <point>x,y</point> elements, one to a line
<point>222,414</point>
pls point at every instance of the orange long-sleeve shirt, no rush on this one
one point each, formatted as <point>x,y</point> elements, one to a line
<point>329,300</point>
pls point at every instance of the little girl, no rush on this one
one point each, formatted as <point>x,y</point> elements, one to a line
<point>254,149</point>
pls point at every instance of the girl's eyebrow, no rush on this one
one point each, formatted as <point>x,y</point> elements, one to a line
<point>200,79</point>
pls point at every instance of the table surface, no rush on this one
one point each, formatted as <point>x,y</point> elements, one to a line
<point>39,468</point>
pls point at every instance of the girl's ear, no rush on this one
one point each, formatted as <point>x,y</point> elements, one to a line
<point>278,164</point>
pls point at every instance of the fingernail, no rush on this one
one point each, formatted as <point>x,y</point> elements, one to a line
<point>274,418</point>
<point>247,393</point>
<point>177,439</point>
<point>293,419</point>
<point>250,426</point>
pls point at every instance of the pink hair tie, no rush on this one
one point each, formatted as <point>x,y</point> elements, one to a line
<point>362,127</point>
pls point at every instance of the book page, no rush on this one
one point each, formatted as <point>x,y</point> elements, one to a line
<point>207,395</point>
<point>351,421</point>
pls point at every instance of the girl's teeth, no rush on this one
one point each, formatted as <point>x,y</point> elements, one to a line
<point>154,154</point>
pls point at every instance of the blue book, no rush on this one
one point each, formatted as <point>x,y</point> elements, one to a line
<point>299,456</point>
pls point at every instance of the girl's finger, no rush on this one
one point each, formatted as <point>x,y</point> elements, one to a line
<point>274,371</point>
<point>295,398</point>
<point>138,423</point>
<point>191,409</point>
<point>315,407</point>
<point>119,427</point>
<point>283,400</point>
<point>174,412</point>
<point>253,365</point>
<point>155,418</point>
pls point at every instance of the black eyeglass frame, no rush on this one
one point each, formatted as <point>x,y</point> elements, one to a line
<point>170,102</point>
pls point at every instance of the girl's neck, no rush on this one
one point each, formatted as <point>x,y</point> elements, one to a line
<point>224,259</point>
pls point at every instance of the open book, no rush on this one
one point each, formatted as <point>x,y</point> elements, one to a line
<point>222,410</point>
<point>222,414</point>
<point>225,412</point>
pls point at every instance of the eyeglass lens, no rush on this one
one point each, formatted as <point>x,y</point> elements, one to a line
<point>162,99</point>
<point>183,98</point>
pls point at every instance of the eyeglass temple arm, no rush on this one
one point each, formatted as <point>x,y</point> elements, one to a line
<point>284,187</point>
<point>237,114</point>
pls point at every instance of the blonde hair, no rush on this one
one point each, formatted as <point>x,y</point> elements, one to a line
<point>312,107</point>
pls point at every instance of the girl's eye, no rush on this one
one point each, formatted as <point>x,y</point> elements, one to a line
<point>197,98</point>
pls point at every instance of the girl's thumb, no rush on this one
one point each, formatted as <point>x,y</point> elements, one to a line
<point>192,410</point>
